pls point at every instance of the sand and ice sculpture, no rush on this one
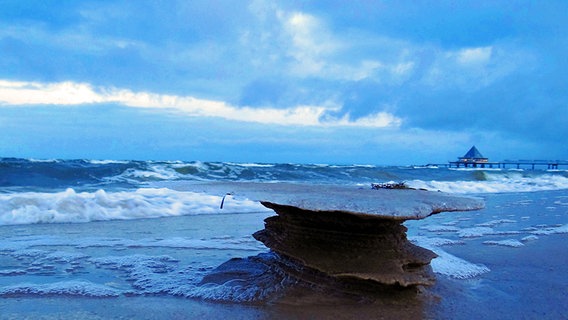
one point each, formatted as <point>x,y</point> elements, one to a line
<point>352,238</point>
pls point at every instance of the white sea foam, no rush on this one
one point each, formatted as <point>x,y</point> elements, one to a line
<point>233,291</point>
<point>529,238</point>
<point>435,241</point>
<point>440,228</point>
<point>494,223</point>
<point>164,171</point>
<point>143,274</point>
<point>44,160</point>
<point>455,267</point>
<point>71,206</point>
<point>65,257</point>
<point>245,244</point>
<point>152,274</point>
<point>507,243</point>
<point>448,264</point>
<point>155,172</point>
<point>121,262</point>
<point>551,230</point>
<point>19,247</point>
<point>252,165</point>
<point>475,232</point>
<point>108,161</point>
<point>480,231</point>
<point>496,183</point>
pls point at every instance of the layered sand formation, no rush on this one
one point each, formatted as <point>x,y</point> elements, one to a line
<point>346,246</point>
<point>346,236</point>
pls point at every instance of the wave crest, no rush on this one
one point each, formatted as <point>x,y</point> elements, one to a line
<point>72,206</point>
<point>496,183</point>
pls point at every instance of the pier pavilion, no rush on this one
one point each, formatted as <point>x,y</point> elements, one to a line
<point>472,159</point>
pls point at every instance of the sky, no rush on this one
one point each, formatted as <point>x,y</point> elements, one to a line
<point>339,82</point>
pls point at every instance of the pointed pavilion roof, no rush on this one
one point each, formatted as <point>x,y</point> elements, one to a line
<point>473,153</point>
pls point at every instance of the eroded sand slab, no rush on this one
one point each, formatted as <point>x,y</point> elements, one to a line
<point>349,235</point>
<point>363,201</point>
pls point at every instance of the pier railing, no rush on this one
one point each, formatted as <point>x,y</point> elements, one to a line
<point>518,164</point>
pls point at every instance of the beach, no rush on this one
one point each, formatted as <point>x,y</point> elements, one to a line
<point>265,159</point>
<point>525,282</point>
<point>506,261</point>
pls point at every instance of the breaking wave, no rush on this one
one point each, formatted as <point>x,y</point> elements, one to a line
<point>72,206</point>
<point>497,183</point>
<point>18,175</point>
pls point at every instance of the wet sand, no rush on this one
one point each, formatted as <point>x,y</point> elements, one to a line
<point>527,282</point>
<point>524,283</point>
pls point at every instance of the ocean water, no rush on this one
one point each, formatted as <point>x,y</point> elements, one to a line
<point>79,235</point>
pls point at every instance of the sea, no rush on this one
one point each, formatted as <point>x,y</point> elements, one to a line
<point>106,239</point>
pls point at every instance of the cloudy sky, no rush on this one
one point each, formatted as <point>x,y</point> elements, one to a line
<point>366,82</point>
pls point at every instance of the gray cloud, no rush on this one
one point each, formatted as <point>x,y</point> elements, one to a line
<point>479,69</point>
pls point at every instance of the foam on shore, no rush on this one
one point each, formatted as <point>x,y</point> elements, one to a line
<point>448,264</point>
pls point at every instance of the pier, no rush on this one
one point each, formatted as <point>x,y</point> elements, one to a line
<point>515,164</point>
<point>474,159</point>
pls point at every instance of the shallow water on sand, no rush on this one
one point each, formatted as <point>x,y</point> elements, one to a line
<point>521,239</point>
<point>511,262</point>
